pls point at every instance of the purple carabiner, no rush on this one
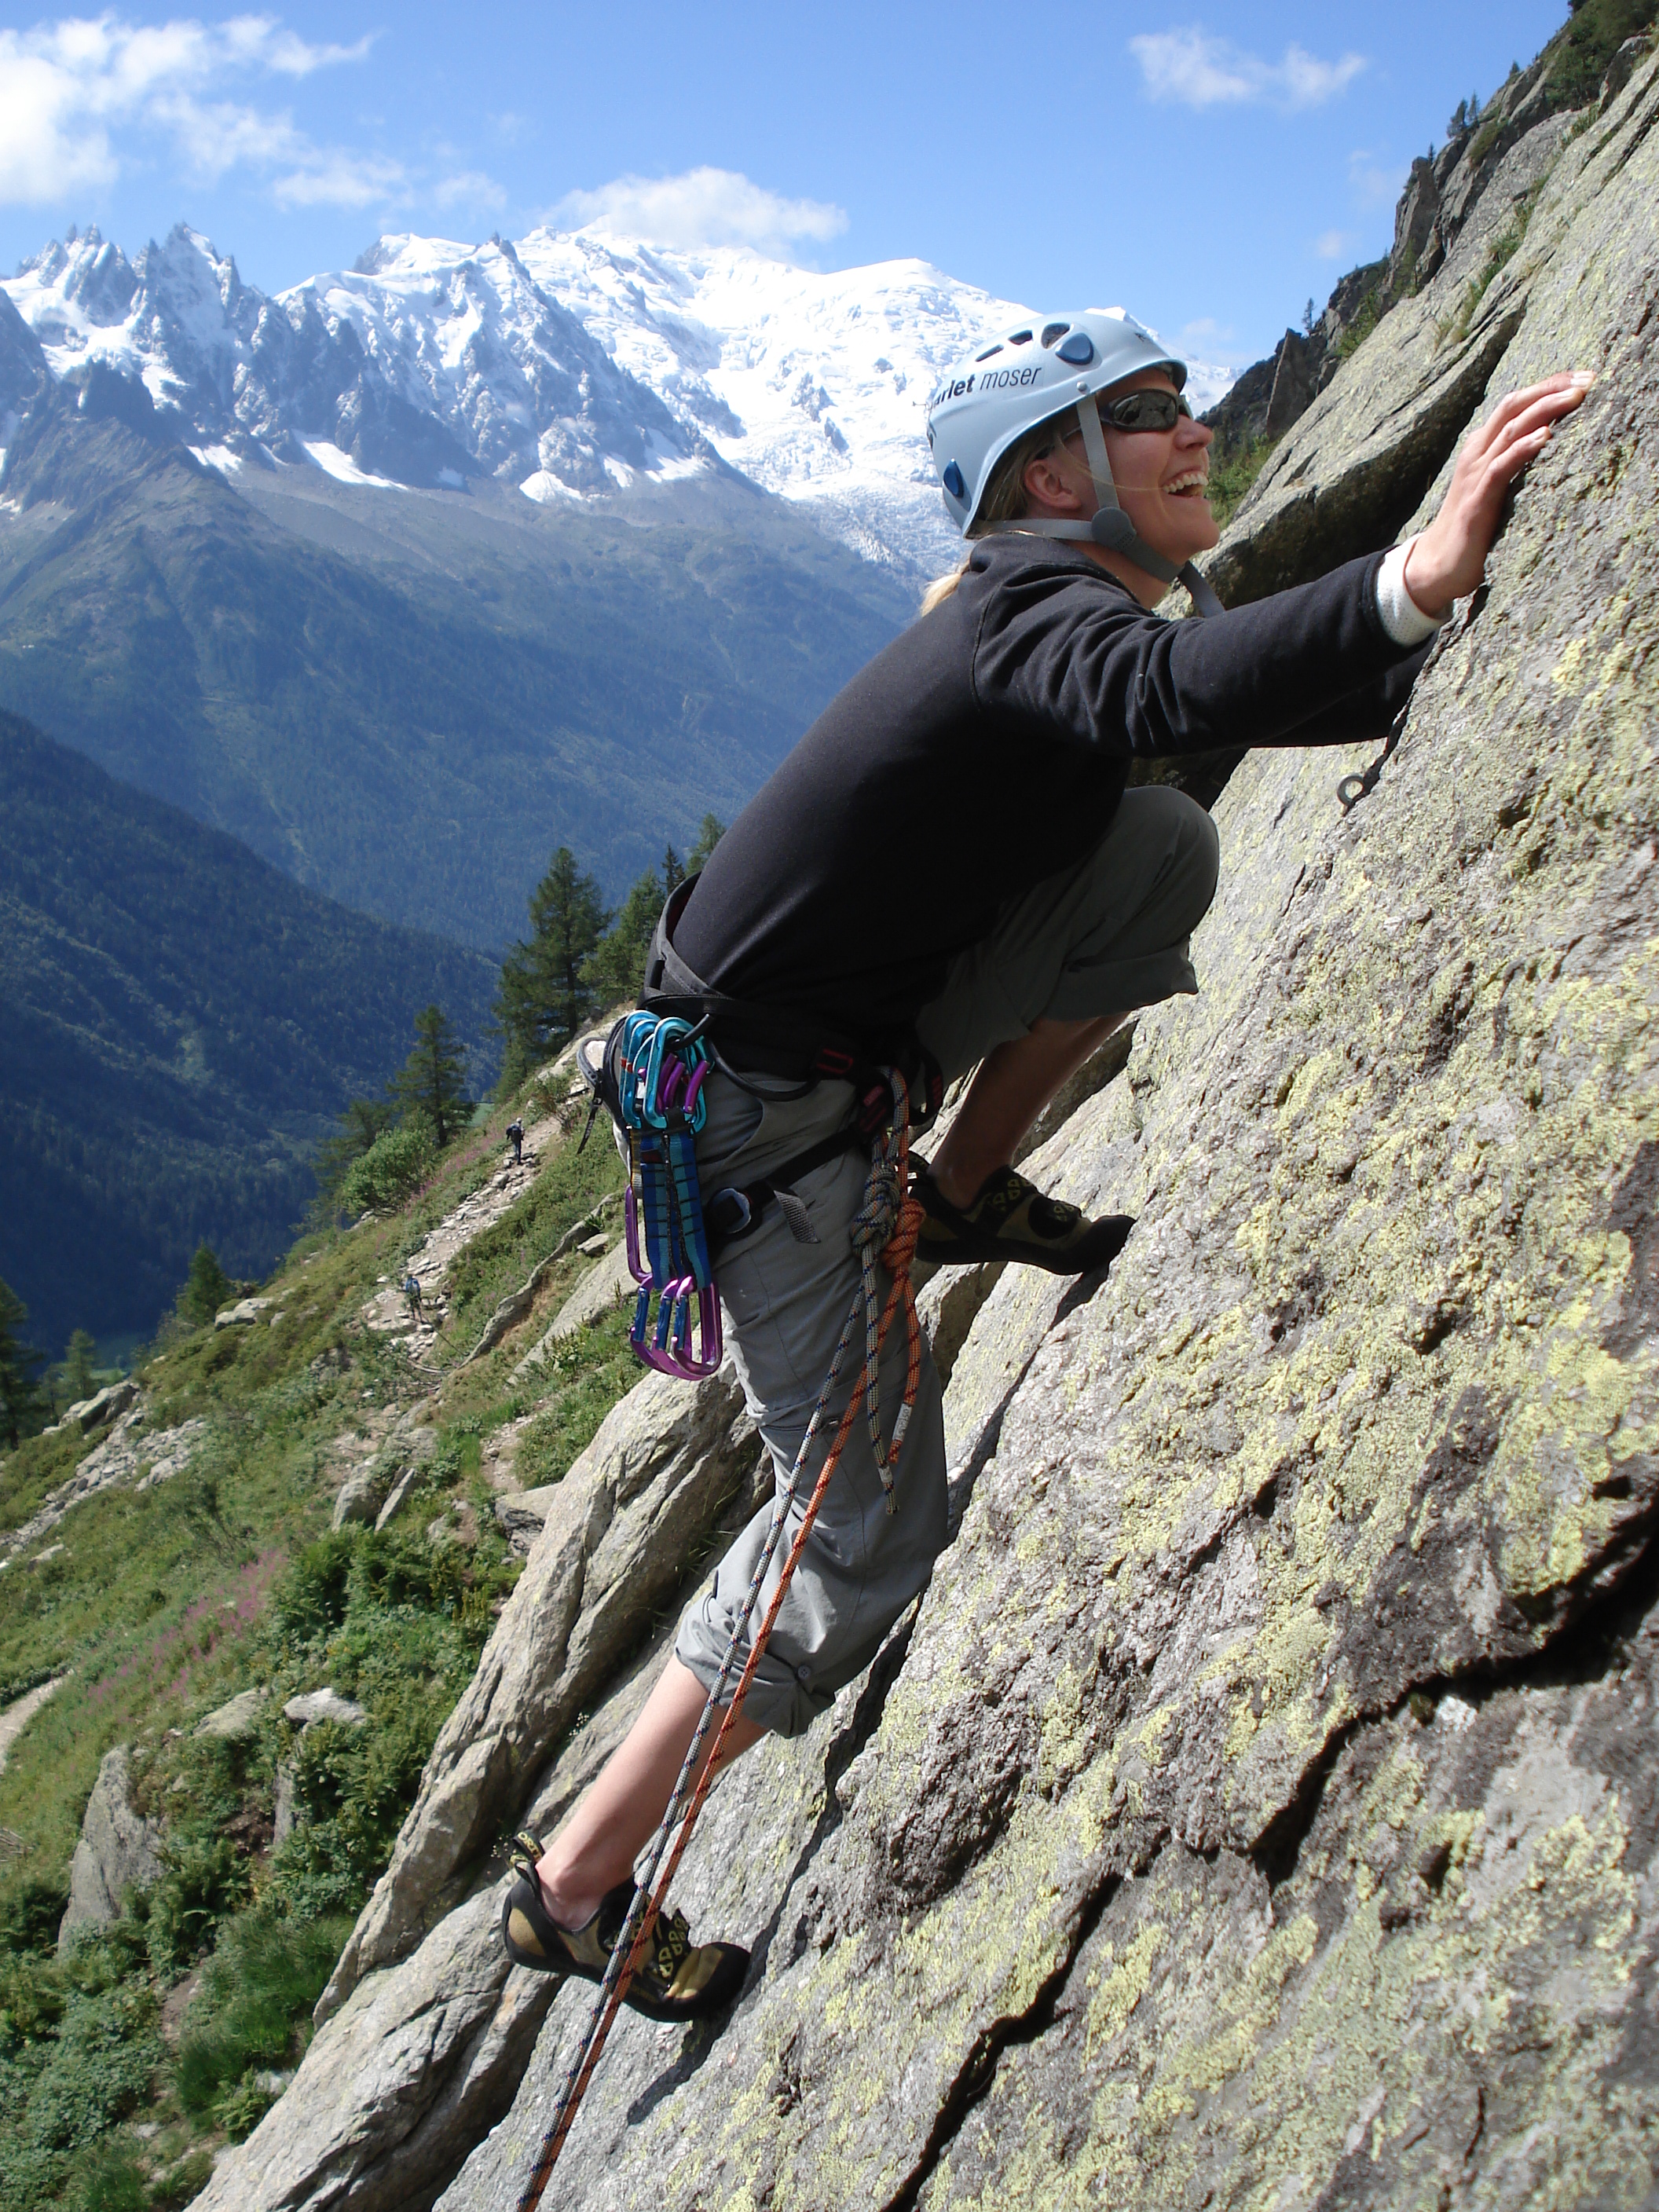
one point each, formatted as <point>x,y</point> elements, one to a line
<point>668,1349</point>
<point>631,1228</point>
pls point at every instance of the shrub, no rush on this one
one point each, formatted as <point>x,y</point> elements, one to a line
<point>394,1166</point>
<point>203,1880</point>
<point>257,1990</point>
<point>107,2179</point>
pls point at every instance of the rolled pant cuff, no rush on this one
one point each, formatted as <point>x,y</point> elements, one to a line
<point>1094,989</point>
<point>776,1699</point>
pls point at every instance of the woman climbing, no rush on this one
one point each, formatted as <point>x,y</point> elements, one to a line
<point>950,863</point>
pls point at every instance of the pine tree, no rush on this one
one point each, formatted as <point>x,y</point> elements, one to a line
<point>673,872</point>
<point>21,1404</point>
<point>544,998</point>
<point>709,833</point>
<point>207,1287</point>
<point>77,1376</point>
<point>614,968</point>
<point>431,1086</point>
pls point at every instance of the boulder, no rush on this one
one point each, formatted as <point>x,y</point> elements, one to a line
<point>90,1414</point>
<point>285,1809</point>
<point>237,1719</point>
<point>602,1287</point>
<point>361,1495</point>
<point>243,1314</point>
<point>522,1515</point>
<point>118,1851</point>
<point>323,1705</point>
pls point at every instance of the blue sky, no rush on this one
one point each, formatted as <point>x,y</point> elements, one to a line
<point>1209,168</point>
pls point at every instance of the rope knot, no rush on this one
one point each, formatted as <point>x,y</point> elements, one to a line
<point>873,1224</point>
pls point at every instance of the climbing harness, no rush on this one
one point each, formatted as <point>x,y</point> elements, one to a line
<point>660,1065</point>
<point>885,1226</point>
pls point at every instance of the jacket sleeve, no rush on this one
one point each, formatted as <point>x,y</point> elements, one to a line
<point>1079,654</point>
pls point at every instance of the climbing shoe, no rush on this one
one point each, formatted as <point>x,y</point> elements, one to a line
<point>675,1980</point>
<point>1012,1220</point>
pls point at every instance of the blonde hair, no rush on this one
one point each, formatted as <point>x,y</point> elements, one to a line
<point>1004,499</point>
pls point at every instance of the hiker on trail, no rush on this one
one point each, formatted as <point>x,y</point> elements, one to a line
<point>950,863</point>
<point>515,1132</point>
<point>412,1293</point>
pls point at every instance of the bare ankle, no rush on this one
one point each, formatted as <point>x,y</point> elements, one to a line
<point>565,1898</point>
<point>953,1187</point>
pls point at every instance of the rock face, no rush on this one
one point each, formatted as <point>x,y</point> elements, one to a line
<point>117,1851</point>
<point>1259,1807</point>
<point>1442,190</point>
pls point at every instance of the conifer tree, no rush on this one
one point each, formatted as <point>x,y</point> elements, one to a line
<point>710,830</point>
<point>78,1375</point>
<point>614,968</point>
<point>431,1086</point>
<point>544,997</point>
<point>207,1287</point>
<point>20,1405</point>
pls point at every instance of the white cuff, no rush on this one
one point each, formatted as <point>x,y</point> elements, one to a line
<point>1403,619</point>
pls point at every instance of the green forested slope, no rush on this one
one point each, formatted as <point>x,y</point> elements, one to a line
<point>407,700</point>
<point>180,1024</point>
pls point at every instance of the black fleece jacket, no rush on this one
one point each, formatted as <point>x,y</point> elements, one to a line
<point>988,747</point>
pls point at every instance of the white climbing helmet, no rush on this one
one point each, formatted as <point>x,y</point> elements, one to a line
<point>1012,383</point>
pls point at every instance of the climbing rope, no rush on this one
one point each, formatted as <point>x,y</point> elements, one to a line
<point>887,1223</point>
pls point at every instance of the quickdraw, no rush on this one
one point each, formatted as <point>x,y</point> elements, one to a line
<point>660,1069</point>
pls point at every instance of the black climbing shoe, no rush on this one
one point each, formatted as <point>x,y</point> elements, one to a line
<point>675,1980</point>
<point>1010,1220</point>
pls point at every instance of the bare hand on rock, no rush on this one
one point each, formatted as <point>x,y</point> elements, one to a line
<point>1449,558</point>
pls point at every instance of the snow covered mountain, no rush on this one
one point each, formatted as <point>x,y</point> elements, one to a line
<point>574,365</point>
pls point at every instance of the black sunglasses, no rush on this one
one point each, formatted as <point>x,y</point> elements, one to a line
<point>1144,411</point>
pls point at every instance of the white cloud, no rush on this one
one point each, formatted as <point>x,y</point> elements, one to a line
<point>1198,70</point>
<point>1374,179</point>
<point>69,89</point>
<point>469,188</point>
<point>1332,244</point>
<point>703,207</point>
<point>328,177</point>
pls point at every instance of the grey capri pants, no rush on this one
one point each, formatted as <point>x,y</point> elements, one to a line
<point>1104,938</point>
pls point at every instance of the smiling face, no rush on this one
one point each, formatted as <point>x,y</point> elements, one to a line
<point>1159,476</point>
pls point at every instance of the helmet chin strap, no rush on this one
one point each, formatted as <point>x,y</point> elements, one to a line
<point>1112,527</point>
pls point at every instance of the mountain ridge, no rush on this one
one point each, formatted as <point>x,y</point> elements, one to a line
<point>567,364</point>
<point>180,1025</point>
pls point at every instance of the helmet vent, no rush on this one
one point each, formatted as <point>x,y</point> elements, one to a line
<point>1053,330</point>
<point>1020,338</point>
<point>987,353</point>
<point>1079,350</point>
<point>953,480</point>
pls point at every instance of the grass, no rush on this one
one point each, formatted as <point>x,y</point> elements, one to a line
<point>164,1603</point>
